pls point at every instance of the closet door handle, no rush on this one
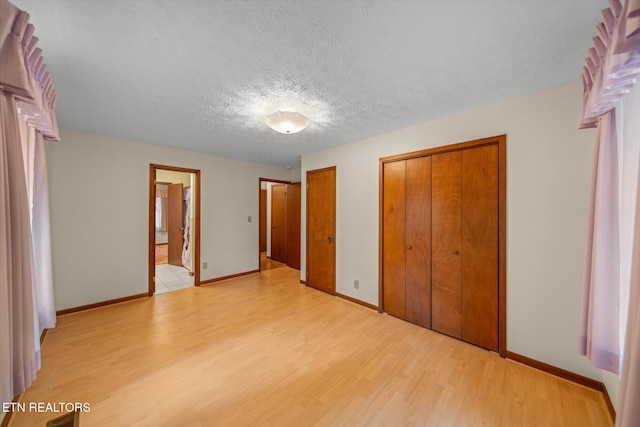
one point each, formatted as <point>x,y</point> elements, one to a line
<point>330,239</point>
<point>180,228</point>
<point>409,247</point>
<point>456,252</point>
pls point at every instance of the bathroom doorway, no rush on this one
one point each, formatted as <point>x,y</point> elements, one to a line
<point>174,228</point>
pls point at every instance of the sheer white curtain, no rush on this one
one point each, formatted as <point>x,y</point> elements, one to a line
<point>610,314</point>
<point>629,155</point>
<point>628,407</point>
<point>599,326</point>
<point>27,117</point>
<point>38,196</point>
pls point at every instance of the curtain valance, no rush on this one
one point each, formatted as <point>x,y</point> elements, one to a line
<point>23,72</point>
<point>613,62</point>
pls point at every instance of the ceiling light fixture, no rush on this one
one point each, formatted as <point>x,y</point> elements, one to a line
<point>287,122</point>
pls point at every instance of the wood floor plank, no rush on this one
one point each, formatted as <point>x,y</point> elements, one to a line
<point>162,253</point>
<point>265,350</point>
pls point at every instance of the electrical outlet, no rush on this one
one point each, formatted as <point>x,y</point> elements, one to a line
<point>205,265</point>
<point>356,284</point>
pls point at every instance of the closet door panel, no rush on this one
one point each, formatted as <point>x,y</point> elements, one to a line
<point>480,247</point>
<point>446,276</point>
<point>393,266</point>
<point>418,241</point>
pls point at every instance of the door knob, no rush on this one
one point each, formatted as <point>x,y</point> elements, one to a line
<point>408,246</point>
<point>330,239</point>
<point>180,228</point>
<point>455,251</point>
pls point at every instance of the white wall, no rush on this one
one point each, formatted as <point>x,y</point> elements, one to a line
<point>548,175</point>
<point>174,177</point>
<point>99,189</point>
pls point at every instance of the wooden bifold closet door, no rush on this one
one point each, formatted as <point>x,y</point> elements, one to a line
<point>446,276</point>
<point>465,245</point>
<point>407,229</point>
<point>441,240</point>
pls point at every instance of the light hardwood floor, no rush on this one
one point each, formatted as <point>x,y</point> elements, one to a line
<point>266,350</point>
<point>269,264</point>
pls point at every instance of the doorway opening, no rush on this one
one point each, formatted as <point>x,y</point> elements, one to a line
<point>174,228</point>
<point>279,224</point>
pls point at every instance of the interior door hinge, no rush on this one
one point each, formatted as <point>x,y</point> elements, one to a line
<point>154,279</point>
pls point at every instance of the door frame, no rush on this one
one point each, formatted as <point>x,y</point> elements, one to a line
<point>151,272</point>
<point>501,141</point>
<point>260,219</point>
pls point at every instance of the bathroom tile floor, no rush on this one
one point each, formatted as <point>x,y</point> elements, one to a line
<point>171,278</point>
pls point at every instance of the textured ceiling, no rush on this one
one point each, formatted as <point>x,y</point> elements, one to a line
<point>202,75</point>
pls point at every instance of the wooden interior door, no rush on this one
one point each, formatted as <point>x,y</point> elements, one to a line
<point>293,225</point>
<point>393,248</point>
<point>480,223</point>
<point>418,241</point>
<point>279,222</point>
<point>321,229</point>
<point>446,275</point>
<point>175,226</point>
<point>263,221</point>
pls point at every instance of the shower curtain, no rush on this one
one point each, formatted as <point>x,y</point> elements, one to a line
<point>186,220</point>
